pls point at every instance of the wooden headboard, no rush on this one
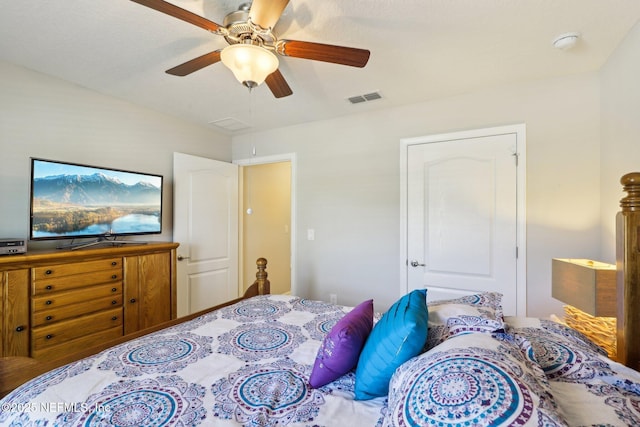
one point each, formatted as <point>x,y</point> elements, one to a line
<point>628,272</point>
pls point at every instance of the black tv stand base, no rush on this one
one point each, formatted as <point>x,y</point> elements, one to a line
<point>101,241</point>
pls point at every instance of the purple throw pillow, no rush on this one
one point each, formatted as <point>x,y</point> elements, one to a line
<point>341,347</point>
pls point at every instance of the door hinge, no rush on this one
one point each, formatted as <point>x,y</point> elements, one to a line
<point>516,252</point>
<point>515,156</point>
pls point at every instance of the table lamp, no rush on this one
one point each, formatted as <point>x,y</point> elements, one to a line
<point>588,288</point>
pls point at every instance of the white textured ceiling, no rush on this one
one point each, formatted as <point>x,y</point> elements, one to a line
<point>420,50</point>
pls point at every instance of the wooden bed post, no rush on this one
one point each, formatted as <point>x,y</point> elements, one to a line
<point>261,277</point>
<point>628,272</point>
<point>261,286</point>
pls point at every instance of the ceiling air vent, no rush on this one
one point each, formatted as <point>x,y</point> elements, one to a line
<point>364,98</point>
<point>230,124</point>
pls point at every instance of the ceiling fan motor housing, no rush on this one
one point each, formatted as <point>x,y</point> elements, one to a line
<point>241,31</point>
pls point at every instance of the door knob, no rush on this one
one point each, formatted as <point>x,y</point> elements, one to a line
<point>180,257</point>
<point>415,263</point>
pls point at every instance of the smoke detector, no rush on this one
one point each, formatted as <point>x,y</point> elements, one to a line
<point>566,41</point>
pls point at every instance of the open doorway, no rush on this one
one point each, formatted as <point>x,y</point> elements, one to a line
<point>266,222</point>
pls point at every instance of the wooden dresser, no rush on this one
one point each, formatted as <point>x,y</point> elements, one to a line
<point>56,302</point>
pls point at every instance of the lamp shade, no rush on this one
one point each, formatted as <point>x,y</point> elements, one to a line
<point>249,63</point>
<point>585,284</point>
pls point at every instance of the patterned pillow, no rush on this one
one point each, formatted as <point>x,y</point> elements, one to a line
<point>554,346</point>
<point>397,337</point>
<point>474,313</point>
<point>472,379</point>
<point>341,347</point>
<point>590,388</point>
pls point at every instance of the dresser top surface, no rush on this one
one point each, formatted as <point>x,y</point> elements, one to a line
<point>31,258</point>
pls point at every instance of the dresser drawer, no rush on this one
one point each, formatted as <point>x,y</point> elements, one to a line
<point>61,332</point>
<point>56,314</point>
<point>61,270</point>
<point>46,303</point>
<point>78,344</point>
<point>48,285</point>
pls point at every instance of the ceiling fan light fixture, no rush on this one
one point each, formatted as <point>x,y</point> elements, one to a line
<point>249,63</point>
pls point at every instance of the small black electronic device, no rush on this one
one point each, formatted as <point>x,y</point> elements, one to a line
<point>13,246</point>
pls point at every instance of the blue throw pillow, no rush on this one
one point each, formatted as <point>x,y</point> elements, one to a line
<point>399,335</point>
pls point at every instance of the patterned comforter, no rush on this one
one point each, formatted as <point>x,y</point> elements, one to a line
<point>249,365</point>
<point>246,364</point>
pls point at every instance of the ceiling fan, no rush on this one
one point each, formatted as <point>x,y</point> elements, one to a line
<point>249,32</point>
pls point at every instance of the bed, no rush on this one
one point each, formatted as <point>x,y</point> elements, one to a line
<point>281,360</point>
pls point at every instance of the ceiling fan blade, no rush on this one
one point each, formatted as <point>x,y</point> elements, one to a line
<point>178,12</point>
<point>324,52</point>
<point>278,85</point>
<point>266,13</point>
<point>195,64</point>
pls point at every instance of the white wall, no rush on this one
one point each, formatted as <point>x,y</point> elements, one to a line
<point>41,116</point>
<point>348,168</point>
<point>348,184</point>
<point>620,148</point>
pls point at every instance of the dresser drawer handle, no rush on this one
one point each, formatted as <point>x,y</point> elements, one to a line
<point>20,329</point>
<point>132,300</point>
<point>49,336</point>
<point>115,276</point>
<point>114,289</point>
<point>48,272</point>
<point>114,302</point>
<point>114,318</point>
<point>48,318</point>
<point>49,287</point>
<point>114,263</point>
<point>48,302</point>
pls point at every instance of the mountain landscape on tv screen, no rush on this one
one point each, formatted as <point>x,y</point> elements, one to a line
<point>93,204</point>
<point>96,189</point>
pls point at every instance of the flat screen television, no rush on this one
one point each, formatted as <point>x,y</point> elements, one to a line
<point>75,201</point>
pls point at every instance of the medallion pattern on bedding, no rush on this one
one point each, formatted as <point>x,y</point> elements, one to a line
<point>320,326</point>
<point>189,375</point>
<point>258,309</point>
<point>471,380</point>
<point>251,342</point>
<point>591,389</point>
<point>157,354</point>
<point>267,395</point>
<point>312,306</point>
<point>166,400</point>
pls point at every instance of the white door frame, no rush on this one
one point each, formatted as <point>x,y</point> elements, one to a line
<point>521,262</point>
<point>277,158</point>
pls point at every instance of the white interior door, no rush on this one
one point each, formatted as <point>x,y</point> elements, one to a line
<point>205,223</point>
<point>462,234</point>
